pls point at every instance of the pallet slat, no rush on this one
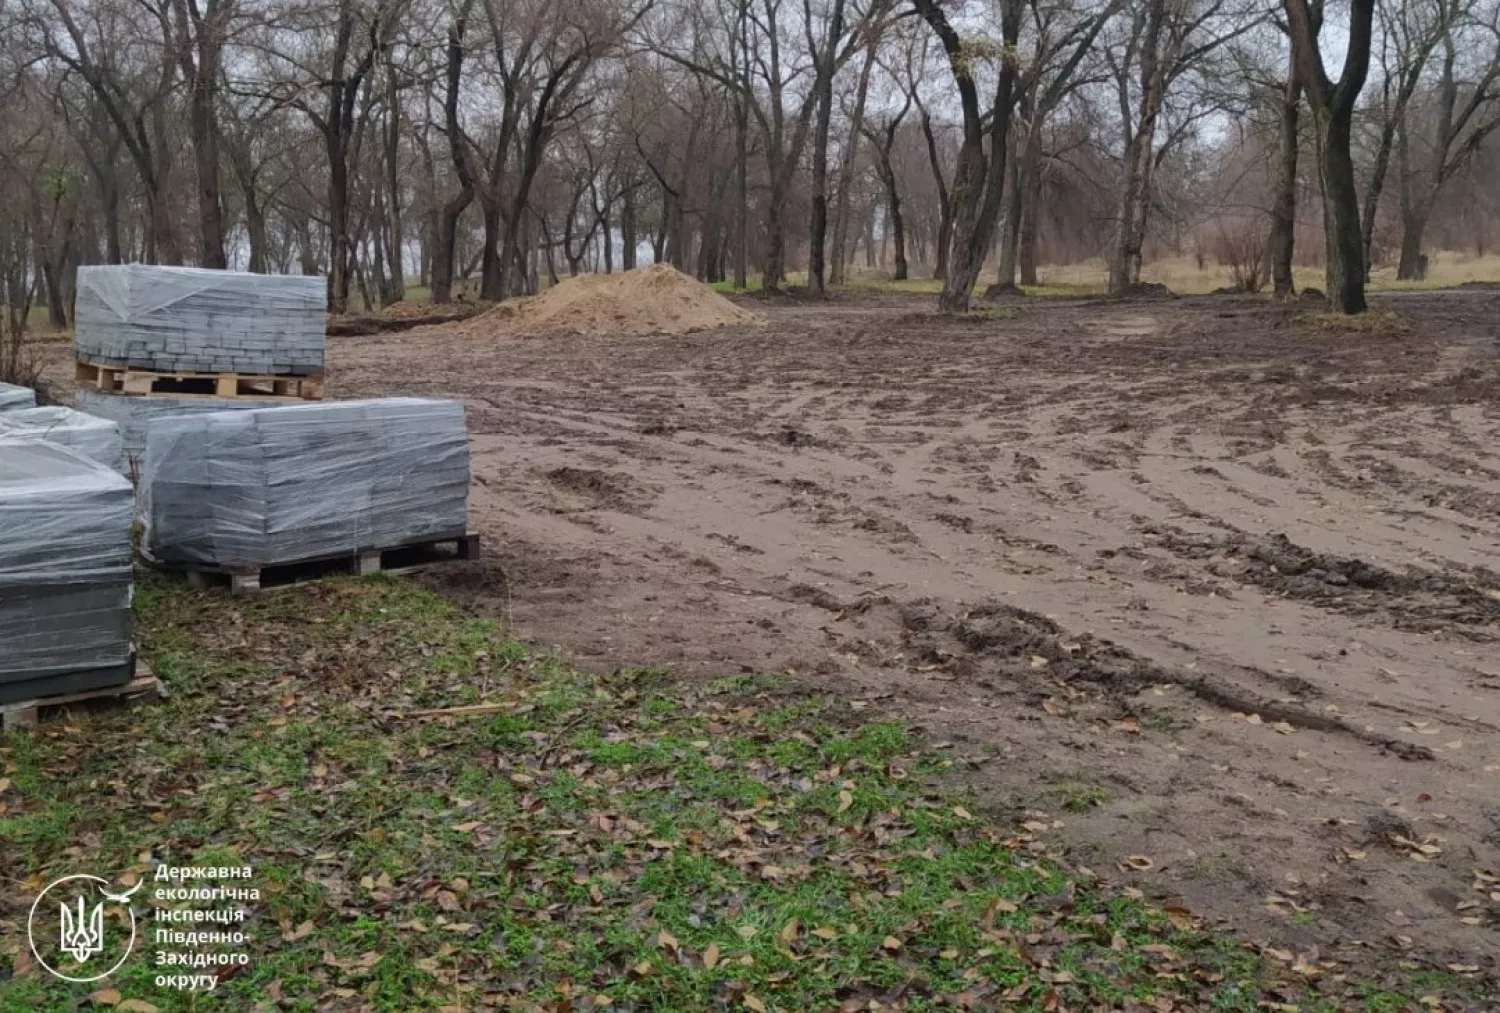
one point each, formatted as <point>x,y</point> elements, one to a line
<point>362,562</point>
<point>27,713</point>
<point>229,385</point>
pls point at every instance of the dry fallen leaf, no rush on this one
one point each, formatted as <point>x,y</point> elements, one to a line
<point>846,799</point>
<point>105,996</point>
<point>666,940</point>
<point>751,1002</point>
<point>711,956</point>
<point>961,813</point>
<point>789,932</point>
<point>1139,863</point>
<point>136,1006</point>
<point>891,943</point>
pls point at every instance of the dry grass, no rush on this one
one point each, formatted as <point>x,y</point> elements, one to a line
<point>1183,276</point>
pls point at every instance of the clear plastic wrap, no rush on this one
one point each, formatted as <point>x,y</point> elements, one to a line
<point>95,438</point>
<point>187,318</point>
<point>280,485</point>
<point>133,414</point>
<point>65,571</point>
<point>13,397</point>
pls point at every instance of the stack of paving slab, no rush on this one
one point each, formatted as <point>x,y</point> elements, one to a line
<point>13,397</point>
<point>65,572</point>
<point>250,489</point>
<point>95,438</point>
<point>188,319</point>
<point>133,415</point>
<point>180,319</point>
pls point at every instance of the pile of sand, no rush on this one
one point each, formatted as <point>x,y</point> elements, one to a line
<point>651,300</point>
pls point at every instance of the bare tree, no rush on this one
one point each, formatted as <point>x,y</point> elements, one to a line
<point>882,135</point>
<point>1459,122</point>
<point>1332,106</point>
<point>979,179</point>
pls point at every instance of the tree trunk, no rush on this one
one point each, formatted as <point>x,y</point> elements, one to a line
<point>1284,210</point>
<point>394,253</point>
<point>1374,189</point>
<point>606,240</point>
<point>1031,209</point>
<point>491,270</point>
<point>1345,244</point>
<point>338,232</point>
<point>897,226</point>
<point>109,199</point>
<point>444,250</point>
<point>1333,115</point>
<point>818,234</point>
<point>307,259</point>
<point>445,253</point>
<point>1413,265</point>
<point>205,130</point>
<point>628,238</point>
<point>773,270</point>
<point>255,227</point>
<point>1140,156</point>
<point>741,194</point>
<point>979,182</point>
<point>846,167</point>
<point>1022,166</point>
<point>945,205</point>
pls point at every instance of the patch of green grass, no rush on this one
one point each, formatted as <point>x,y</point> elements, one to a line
<point>1065,290</point>
<point>726,287</point>
<point>614,841</point>
<point>879,283</point>
<point>1075,796</point>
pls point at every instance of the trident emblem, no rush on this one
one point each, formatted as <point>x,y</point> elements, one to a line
<point>82,936</point>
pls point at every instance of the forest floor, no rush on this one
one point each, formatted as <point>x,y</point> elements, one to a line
<point>1212,583</point>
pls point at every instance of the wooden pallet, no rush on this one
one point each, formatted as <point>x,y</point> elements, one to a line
<point>187,383</point>
<point>27,713</point>
<point>393,559</point>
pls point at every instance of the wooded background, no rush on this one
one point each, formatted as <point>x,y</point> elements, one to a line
<point>487,147</point>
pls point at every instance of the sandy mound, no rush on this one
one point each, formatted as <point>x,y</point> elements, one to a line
<point>651,300</point>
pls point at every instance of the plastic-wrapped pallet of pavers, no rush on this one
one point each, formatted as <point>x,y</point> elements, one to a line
<point>95,438</point>
<point>171,319</point>
<point>13,398</point>
<point>251,489</point>
<point>65,525</point>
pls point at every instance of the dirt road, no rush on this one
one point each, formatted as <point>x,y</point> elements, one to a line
<point>1215,590</point>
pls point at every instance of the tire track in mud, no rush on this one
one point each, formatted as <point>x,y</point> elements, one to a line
<point>1277,564</point>
<point>999,640</point>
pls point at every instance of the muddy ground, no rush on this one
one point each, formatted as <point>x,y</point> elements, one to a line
<point>1217,590</point>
